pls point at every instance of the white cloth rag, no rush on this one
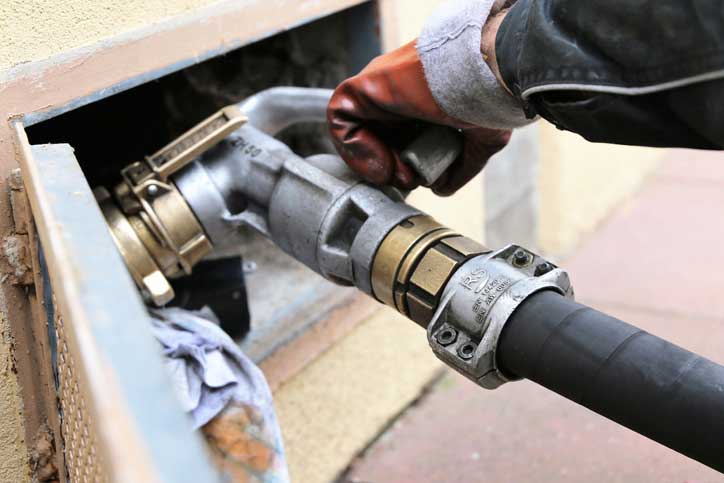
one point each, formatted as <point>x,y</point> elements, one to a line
<point>209,371</point>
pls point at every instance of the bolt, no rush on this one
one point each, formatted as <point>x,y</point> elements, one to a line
<point>152,190</point>
<point>249,267</point>
<point>407,224</point>
<point>447,336</point>
<point>467,350</point>
<point>543,268</point>
<point>521,258</point>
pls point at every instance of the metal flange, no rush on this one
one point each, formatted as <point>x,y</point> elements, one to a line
<point>153,226</point>
<point>139,261</point>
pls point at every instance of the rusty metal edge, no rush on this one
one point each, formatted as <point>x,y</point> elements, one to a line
<point>143,433</point>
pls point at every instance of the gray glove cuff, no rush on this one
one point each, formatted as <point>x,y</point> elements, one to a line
<point>461,82</point>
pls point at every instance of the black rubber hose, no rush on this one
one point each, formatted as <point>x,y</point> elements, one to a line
<point>645,383</point>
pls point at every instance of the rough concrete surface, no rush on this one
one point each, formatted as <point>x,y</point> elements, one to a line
<point>331,411</point>
<point>581,182</point>
<point>653,264</point>
<point>403,19</point>
<point>41,28</point>
<point>464,212</point>
<point>13,452</point>
<point>511,191</point>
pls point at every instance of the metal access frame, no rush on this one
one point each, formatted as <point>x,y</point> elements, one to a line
<point>119,418</point>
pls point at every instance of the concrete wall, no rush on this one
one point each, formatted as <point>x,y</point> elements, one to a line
<point>13,452</point>
<point>341,402</point>
<point>548,189</point>
<point>511,192</point>
<point>580,183</point>
<point>41,28</point>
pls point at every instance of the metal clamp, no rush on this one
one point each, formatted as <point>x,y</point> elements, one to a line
<point>184,149</point>
<point>155,229</point>
<point>478,301</point>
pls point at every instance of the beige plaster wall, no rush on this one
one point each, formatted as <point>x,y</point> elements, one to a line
<point>13,452</point>
<point>580,183</point>
<point>402,19</point>
<point>341,401</point>
<point>464,212</point>
<point>37,29</point>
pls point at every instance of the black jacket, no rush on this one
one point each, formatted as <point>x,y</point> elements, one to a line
<point>641,72</point>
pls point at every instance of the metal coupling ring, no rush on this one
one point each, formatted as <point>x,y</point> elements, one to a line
<point>153,226</point>
<point>477,302</point>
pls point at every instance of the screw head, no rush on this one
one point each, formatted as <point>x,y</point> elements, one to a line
<point>152,190</point>
<point>543,268</point>
<point>447,336</point>
<point>467,351</point>
<point>407,224</point>
<point>521,258</point>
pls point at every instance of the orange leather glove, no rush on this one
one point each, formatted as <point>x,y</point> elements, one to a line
<point>376,114</point>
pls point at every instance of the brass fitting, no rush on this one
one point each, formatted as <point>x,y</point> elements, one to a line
<point>415,261</point>
<point>139,261</point>
<point>152,225</point>
<point>162,240</point>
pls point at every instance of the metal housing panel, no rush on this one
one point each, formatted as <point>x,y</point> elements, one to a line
<point>114,390</point>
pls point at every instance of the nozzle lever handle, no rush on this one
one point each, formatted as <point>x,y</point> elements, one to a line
<point>433,152</point>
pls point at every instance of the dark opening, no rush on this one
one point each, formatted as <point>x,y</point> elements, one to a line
<point>115,131</point>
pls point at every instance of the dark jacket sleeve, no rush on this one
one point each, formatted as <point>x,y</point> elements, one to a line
<point>640,72</point>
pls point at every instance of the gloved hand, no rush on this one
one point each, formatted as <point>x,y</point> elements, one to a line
<point>442,78</point>
<point>376,114</point>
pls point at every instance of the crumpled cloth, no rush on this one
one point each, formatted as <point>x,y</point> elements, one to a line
<point>210,373</point>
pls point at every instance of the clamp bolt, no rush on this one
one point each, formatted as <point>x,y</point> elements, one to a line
<point>447,336</point>
<point>543,268</point>
<point>466,351</point>
<point>152,190</point>
<point>521,258</point>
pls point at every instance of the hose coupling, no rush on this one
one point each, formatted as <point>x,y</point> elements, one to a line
<point>415,261</point>
<point>478,300</point>
<point>155,230</point>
